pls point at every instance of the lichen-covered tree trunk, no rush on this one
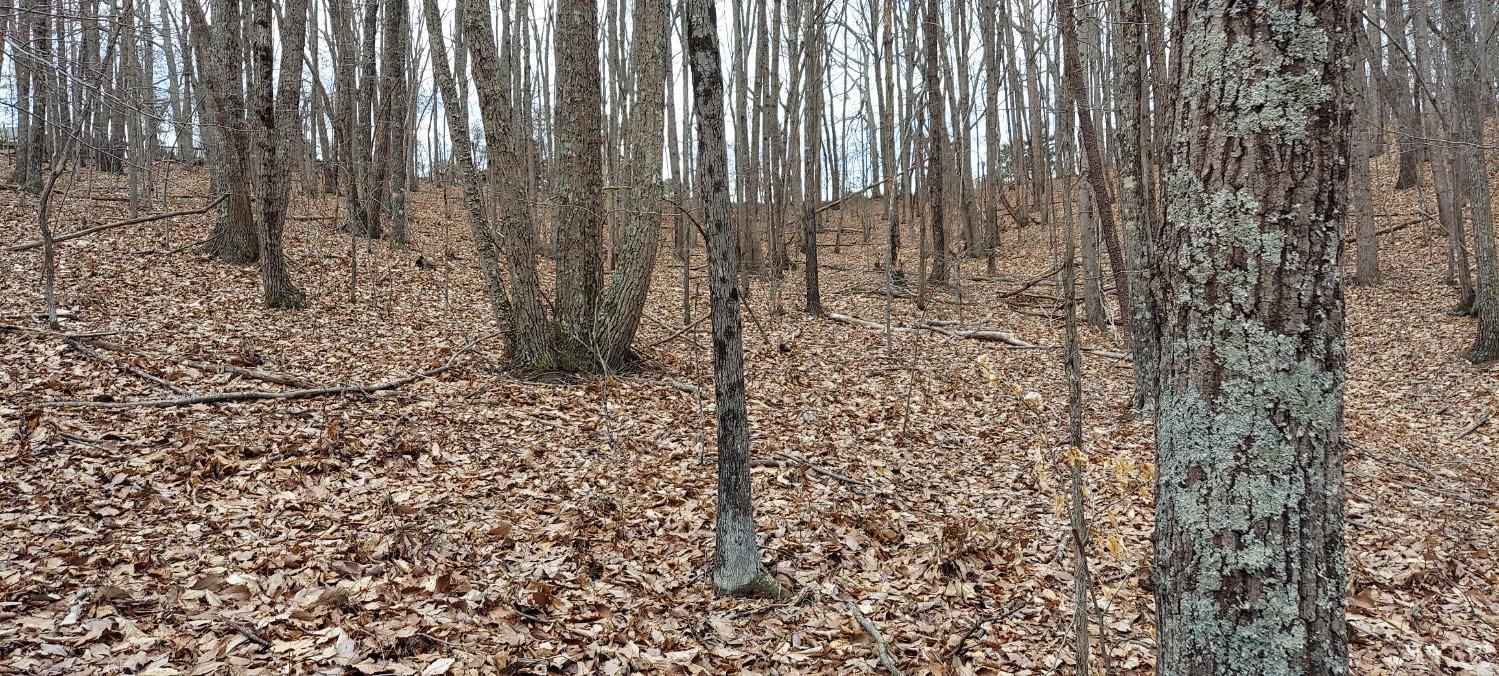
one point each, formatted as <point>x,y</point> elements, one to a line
<point>1249,568</point>
<point>736,563</point>
<point>580,204</point>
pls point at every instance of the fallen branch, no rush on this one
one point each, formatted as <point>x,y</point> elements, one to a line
<point>252,374</point>
<point>1389,229</point>
<point>125,366</point>
<point>819,469</point>
<point>255,395</point>
<point>678,332</point>
<point>989,336</point>
<point>1473,426</point>
<point>1034,281</point>
<point>879,639</point>
<point>119,224</point>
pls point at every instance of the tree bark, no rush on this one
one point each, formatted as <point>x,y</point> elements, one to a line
<point>936,135</point>
<point>1249,570</point>
<point>812,125</point>
<point>736,563</point>
<point>1468,115</point>
<point>580,204</point>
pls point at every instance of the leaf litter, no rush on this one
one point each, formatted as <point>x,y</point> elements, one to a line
<point>477,522</point>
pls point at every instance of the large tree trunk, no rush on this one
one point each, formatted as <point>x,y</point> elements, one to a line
<point>233,239</point>
<point>620,310</point>
<point>736,563</point>
<point>393,66</point>
<point>580,203</point>
<point>532,335</point>
<point>1249,426</point>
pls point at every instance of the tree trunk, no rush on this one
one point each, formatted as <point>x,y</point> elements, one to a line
<point>736,563</point>
<point>397,33</point>
<point>620,310</point>
<point>1249,422</point>
<point>277,125</point>
<point>1104,207</point>
<point>936,134</point>
<point>1470,93</point>
<point>812,126</point>
<point>233,240</point>
<point>1137,195</point>
<point>580,202</point>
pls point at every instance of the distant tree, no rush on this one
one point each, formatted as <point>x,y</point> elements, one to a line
<point>1249,543</point>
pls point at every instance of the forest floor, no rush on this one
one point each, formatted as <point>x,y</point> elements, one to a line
<point>475,522</point>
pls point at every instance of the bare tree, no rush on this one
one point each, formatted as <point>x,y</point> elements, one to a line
<point>736,563</point>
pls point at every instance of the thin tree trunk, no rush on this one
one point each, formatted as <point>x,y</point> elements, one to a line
<point>736,563</point>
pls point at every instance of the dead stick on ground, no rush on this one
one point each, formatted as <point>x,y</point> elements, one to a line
<point>250,635</point>
<point>118,224</point>
<point>252,395</point>
<point>125,367</point>
<point>253,374</point>
<point>1473,427</point>
<point>987,336</point>
<point>819,469</point>
<point>879,639</point>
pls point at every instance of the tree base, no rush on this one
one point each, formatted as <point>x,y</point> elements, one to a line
<point>760,585</point>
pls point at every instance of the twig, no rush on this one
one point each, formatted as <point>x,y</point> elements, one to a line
<point>979,626</point>
<point>879,639</point>
<point>117,224</point>
<point>819,469</point>
<point>254,395</point>
<point>125,366</point>
<point>250,635</point>
<point>1473,426</point>
<point>678,332</point>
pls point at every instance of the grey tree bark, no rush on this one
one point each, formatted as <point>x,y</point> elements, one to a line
<point>736,563</point>
<point>1249,422</point>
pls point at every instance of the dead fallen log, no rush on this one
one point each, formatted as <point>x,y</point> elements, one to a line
<point>119,224</point>
<point>255,395</point>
